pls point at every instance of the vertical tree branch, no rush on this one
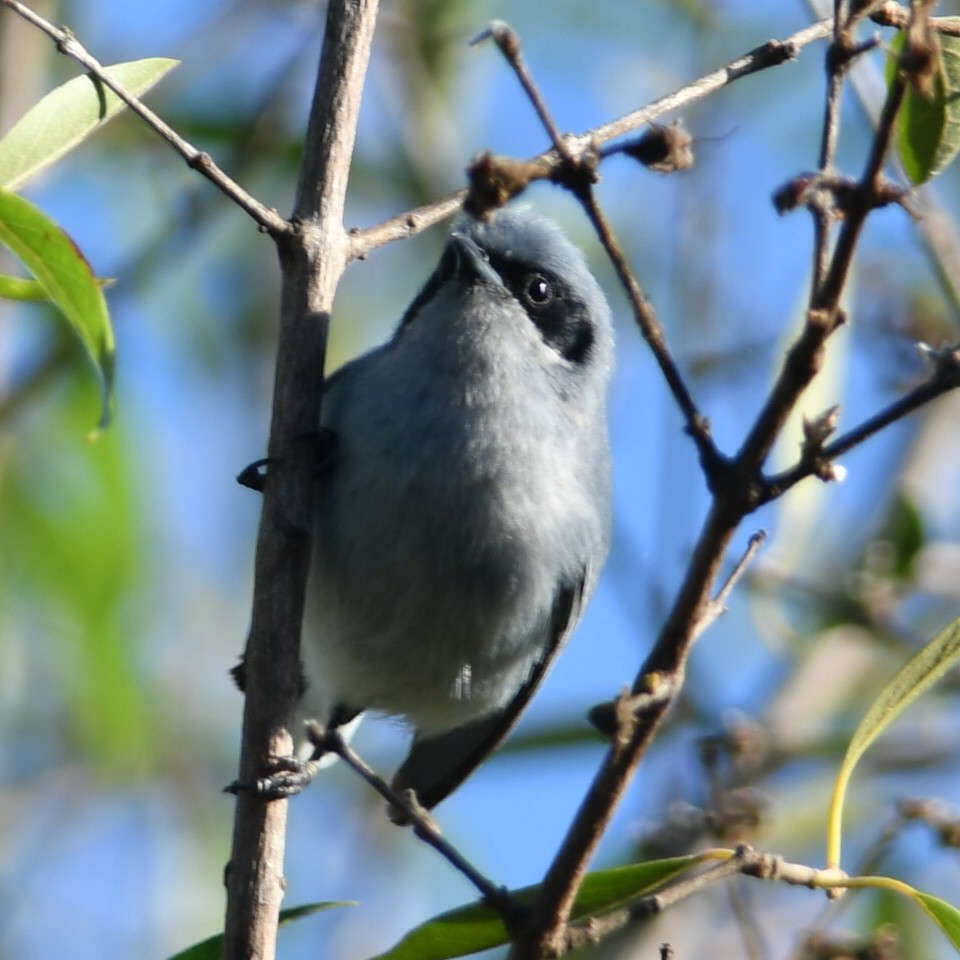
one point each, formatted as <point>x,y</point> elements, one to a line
<point>312,261</point>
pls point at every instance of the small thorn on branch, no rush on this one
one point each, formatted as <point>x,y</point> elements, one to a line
<point>840,56</point>
<point>816,432</point>
<point>717,607</point>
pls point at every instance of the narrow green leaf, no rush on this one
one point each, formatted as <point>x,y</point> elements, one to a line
<point>212,948</point>
<point>477,926</point>
<point>17,288</point>
<point>911,681</point>
<point>945,915</point>
<point>68,115</point>
<point>903,530</point>
<point>950,62</point>
<point>53,258</point>
<point>928,128</point>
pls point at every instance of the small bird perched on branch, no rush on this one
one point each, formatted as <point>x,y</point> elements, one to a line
<point>464,517</point>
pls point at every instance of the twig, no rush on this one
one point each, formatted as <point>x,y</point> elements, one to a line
<point>70,46</point>
<point>745,860</point>
<point>823,216</point>
<point>934,224</point>
<point>945,377</point>
<point>718,606</point>
<point>423,823</point>
<point>650,906</point>
<point>831,910</point>
<point>577,173</point>
<point>805,356</point>
<point>771,54</point>
<point>892,14</point>
<point>647,320</point>
<point>508,43</point>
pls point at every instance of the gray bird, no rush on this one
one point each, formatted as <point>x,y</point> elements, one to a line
<point>465,516</point>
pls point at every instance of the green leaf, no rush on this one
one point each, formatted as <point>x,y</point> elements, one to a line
<point>77,545</point>
<point>68,115</point>
<point>928,127</point>
<point>212,948</point>
<point>904,531</point>
<point>53,258</point>
<point>911,681</point>
<point>945,915</point>
<point>17,288</point>
<point>477,926</point>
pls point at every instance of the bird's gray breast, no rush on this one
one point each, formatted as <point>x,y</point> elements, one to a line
<point>451,514</point>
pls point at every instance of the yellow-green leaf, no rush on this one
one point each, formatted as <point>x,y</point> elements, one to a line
<point>68,115</point>
<point>945,915</point>
<point>477,926</point>
<point>911,681</point>
<point>928,127</point>
<point>66,278</point>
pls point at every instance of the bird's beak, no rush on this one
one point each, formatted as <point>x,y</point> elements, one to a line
<point>471,262</point>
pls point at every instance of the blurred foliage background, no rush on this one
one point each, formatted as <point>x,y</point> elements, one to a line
<point>125,563</point>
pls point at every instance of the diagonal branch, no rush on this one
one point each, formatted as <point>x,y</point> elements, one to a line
<point>424,826</point>
<point>825,315</point>
<point>944,378</point>
<point>69,46</point>
<point>771,54</point>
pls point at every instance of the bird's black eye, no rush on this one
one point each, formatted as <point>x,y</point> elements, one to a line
<point>538,289</point>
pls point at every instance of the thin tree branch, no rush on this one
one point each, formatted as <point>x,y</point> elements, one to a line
<point>652,329</point>
<point>70,46</point>
<point>945,377</point>
<point>745,861</point>
<point>424,826</point>
<point>650,906</point>
<point>771,54</point>
<point>718,605</point>
<point>805,357</point>
<point>508,43</point>
<point>934,224</point>
<point>889,13</point>
<point>650,326</point>
<point>736,487</point>
<point>578,174</point>
<point>663,670</point>
<point>823,214</point>
<point>313,257</point>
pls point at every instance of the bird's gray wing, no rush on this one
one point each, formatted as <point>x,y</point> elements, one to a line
<point>438,765</point>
